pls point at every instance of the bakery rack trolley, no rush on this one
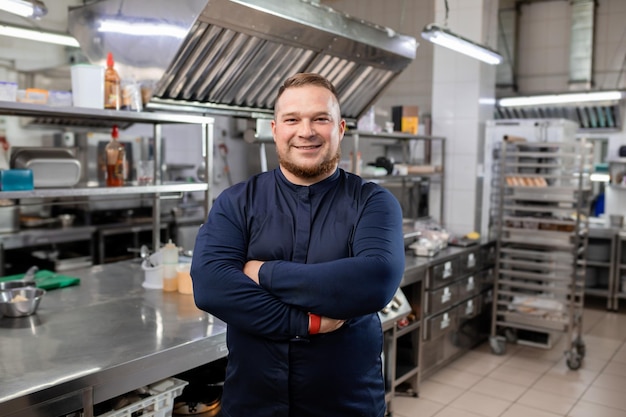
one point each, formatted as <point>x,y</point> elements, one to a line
<point>542,222</point>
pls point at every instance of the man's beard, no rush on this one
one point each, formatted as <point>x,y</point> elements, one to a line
<point>326,167</point>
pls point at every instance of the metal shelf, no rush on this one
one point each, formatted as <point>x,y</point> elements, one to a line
<point>77,116</point>
<point>539,280</point>
<point>404,140</point>
<point>96,116</point>
<point>103,191</point>
<point>390,135</point>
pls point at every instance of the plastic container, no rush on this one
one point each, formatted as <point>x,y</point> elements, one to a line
<point>131,96</point>
<point>59,98</point>
<point>9,217</point>
<point>159,404</point>
<point>33,96</point>
<point>185,285</point>
<point>16,180</point>
<point>153,276</point>
<point>88,86</point>
<point>170,262</point>
<point>8,91</point>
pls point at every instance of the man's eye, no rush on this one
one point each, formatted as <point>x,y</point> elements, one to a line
<point>323,119</point>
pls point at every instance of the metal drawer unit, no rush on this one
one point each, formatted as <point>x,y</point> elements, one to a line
<point>441,299</point>
<point>442,274</point>
<point>468,286</point>
<point>470,261</point>
<point>454,296</point>
<point>439,324</point>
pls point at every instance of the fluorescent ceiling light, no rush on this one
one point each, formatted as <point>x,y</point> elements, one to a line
<point>25,8</point>
<point>139,28</point>
<point>567,98</point>
<point>38,35</point>
<point>442,36</point>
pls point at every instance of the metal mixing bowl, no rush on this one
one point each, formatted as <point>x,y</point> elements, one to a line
<point>18,283</point>
<point>9,307</point>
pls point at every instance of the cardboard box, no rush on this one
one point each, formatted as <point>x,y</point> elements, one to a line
<point>405,119</point>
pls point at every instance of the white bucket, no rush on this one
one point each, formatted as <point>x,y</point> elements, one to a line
<point>88,86</point>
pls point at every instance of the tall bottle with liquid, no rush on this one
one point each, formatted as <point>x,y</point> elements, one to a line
<point>170,262</point>
<point>115,156</point>
<point>112,91</point>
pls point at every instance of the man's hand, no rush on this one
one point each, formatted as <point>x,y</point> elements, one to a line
<point>327,325</point>
<point>251,269</point>
<point>330,325</point>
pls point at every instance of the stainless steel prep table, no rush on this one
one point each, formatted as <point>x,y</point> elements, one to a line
<point>102,338</point>
<point>108,336</point>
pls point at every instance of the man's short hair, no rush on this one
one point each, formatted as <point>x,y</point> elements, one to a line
<point>307,78</point>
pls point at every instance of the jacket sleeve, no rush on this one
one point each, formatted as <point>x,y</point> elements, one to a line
<point>221,288</point>
<point>349,287</point>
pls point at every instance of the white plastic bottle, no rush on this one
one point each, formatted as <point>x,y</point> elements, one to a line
<point>170,262</point>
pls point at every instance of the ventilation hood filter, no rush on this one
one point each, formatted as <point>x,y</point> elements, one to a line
<point>231,56</point>
<point>590,117</point>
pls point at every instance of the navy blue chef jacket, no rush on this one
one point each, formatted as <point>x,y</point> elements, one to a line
<point>334,248</point>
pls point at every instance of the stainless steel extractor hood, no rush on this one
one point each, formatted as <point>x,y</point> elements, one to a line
<point>231,55</point>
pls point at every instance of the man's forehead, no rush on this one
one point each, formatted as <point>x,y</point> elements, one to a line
<point>292,95</point>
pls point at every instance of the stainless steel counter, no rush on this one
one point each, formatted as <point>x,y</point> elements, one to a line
<point>108,336</point>
<point>100,339</point>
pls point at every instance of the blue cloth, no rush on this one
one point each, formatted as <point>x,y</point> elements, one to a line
<point>335,249</point>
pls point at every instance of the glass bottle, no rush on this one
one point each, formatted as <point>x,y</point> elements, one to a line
<point>112,94</point>
<point>116,160</point>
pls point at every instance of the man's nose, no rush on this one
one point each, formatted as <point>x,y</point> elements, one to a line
<point>306,129</point>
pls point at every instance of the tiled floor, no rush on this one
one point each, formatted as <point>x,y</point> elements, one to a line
<point>532,382</point>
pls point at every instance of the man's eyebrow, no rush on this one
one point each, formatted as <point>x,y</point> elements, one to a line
<point>299,114</point>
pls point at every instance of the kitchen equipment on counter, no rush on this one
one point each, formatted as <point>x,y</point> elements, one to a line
<point>9,216</point>
<point>43,279</point>
<point>616,220</point>
<point>16,180</point>
<point>51,167</point>
<point>67,220</point>
<point>20,302</point>
<point>153,276</point>
<point>144,252</point>
<point>183,274</point>
<point>20,283</point>
<point>88,86</point>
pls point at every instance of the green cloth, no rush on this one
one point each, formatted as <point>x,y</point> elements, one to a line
<point>47,280</point>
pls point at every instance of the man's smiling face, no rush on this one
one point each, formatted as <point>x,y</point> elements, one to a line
<point>307,130</point>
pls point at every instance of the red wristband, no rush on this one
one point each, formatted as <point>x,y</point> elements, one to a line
<point>315,322</point>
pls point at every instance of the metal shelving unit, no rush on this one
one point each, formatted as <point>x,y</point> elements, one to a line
<point>404,140</point>
<point>95,118</point>
<point>542,235</point>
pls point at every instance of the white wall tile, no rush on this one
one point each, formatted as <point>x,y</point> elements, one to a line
<point>459,220</point>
